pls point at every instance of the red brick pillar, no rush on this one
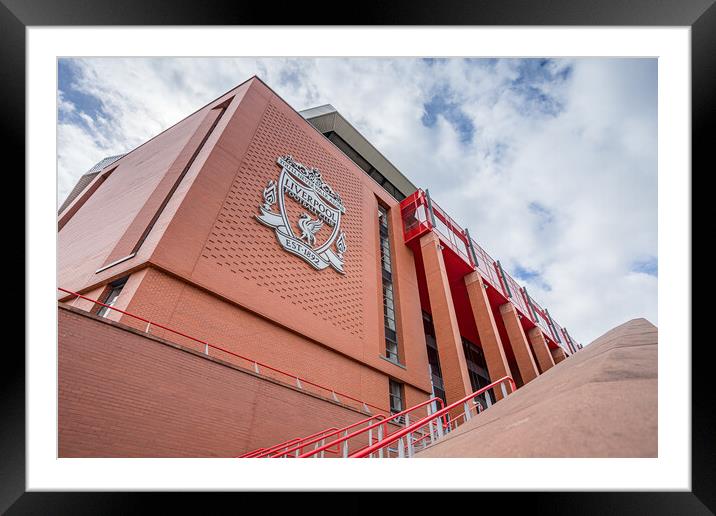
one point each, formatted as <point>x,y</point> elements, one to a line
<point>447,335</point>
<point>490,340</point>
<point>540,348</point>
<point>518,341</point>
<point>558,355</point>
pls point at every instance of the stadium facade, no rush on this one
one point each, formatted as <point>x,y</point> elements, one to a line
<point>253,273</point>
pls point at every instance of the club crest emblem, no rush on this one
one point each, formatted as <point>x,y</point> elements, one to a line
<point>305,213</point>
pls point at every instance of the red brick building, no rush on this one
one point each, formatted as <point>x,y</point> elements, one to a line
<point>271,274</point>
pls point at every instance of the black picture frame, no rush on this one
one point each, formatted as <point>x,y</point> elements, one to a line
<point>700,15</point>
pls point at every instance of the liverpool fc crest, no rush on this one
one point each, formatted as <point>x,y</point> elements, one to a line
<point>315,205</point>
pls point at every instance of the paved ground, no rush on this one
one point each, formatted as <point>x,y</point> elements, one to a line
<point>602,402</point>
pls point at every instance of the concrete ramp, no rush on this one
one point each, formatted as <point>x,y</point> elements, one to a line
<point>601,402</point>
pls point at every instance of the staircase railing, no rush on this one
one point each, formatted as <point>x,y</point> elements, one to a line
<point>381,428</point>
<point>297,448</point>
<point>436,421</point>
<point>402,437</point>
<point>263,452</point>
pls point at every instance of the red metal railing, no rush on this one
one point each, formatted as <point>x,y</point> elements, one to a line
<point>415,427</point>
<point>415,213</point>
<point>262,452</point>
<point>256,365</point>
<point>517,298</point>
<point>381,427</point>
<point>486,266</point>
<point>452,234</point>
<point>420,214</point>
<point>298,447</point>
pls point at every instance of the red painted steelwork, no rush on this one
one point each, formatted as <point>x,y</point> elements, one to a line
<point>421,423</point>
<point>375,425</point>
<point>299,447</point>
<point>421,214</point>
<point>262,452</point>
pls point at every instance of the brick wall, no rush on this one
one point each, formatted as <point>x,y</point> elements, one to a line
<point>177,304</point>
<point>207,235</point>
<point>123,394</point>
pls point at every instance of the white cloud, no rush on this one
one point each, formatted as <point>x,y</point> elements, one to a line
<point>576,137</point>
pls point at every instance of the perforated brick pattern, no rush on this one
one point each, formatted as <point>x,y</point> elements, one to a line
<point>249,250</point>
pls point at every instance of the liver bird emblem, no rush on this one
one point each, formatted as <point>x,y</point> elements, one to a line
<point>309,228</point>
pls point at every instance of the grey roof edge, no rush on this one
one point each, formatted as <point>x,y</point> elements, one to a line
<point>317,111</point>
<point>105,162</point>
<point>360,143</point>
<point>86,178</point>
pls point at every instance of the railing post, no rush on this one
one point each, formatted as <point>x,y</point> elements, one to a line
<point>535,318</point>
<point>401,451</point>
<point>146,330</point>
<point>345,445</point>
<point>466,406</point>
<point>430,423</point>
<point>552,327</point>
<point>409,437</point>
<point>256,367</point>
<point>380,438</point>
<point>503,278</point>
<point>530,310</point>
<point>473,255</point>
<point>206,349</point>
<point>430,208</point>
<point>298,383</point>
<point>504,389</point>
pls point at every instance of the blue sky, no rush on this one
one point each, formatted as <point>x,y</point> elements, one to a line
<point>551,163</point>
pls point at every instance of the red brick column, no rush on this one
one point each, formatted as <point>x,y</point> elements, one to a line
<point>540,348</point>
<point>558,355</point>
<point>490,340</point>
<point>518,341</point>
<point>447,335</point>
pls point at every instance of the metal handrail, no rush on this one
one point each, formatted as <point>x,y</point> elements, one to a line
<point>375,425</point>
<point>462,415</point>
<point>291,442</point>
<point>259,451</point>
<point>251,453</point>
<point>369,450</point>
<point>300,446</point>
<point>207,346</point>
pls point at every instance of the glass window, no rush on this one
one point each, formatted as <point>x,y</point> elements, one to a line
<point>112,296</point>
<point>436,376</point>
<point>388,187</point>
<point>476,368</point>
<point>377,176</point>
<point>391,336</point>
<point>396,397</point>
<point>391,349</point>
<point>349,151</point>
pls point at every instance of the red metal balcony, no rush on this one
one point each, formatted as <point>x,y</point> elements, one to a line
<point>421,214</point>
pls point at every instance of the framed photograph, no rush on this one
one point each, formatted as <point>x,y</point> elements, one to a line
<point>446,234</point>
